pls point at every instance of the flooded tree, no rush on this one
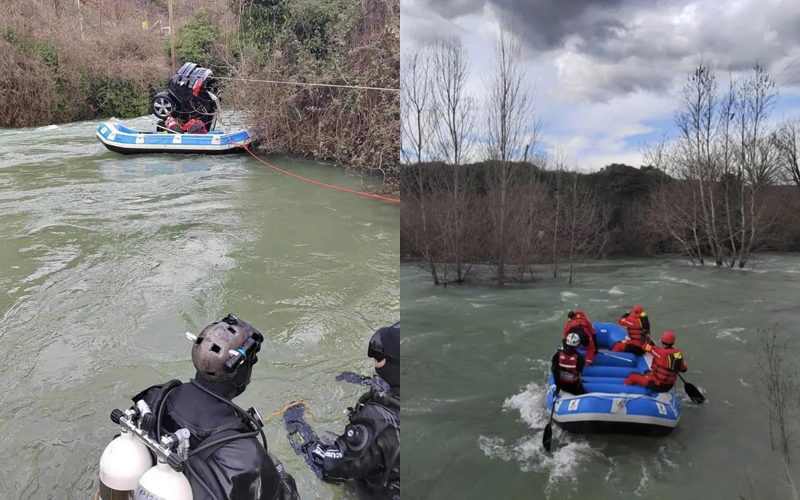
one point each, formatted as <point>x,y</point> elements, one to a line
<point>726,157</point>
<point>512,131</point>
<point>787,141</point>
<point>418,113</point>
<point>585,220</point>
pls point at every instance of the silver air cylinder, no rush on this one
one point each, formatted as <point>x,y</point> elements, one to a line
<point>123,463</point>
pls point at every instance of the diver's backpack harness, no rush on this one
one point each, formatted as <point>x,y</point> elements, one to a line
<point>173,449</point>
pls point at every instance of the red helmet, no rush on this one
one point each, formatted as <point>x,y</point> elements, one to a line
<point>668,338</point>
<point>637,308</point>
<point>579,314</point>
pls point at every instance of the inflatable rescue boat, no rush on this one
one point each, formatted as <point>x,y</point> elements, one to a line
<point>610,406</point>
<point>120,139</point>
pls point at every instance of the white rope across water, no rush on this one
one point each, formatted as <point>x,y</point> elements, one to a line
<point>383,89</point>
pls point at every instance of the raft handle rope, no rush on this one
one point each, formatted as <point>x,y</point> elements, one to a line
<point>243,144</point>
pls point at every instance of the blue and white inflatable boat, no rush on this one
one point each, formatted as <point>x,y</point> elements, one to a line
<point>611,406</point>
<point>120,139</point>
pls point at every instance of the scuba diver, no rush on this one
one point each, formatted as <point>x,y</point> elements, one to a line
<point>367,455</point>
<point>567,365</point>
<point>226,461</point>
<point>637,324</point>
<point>667,363</point>
<point>577,322</point>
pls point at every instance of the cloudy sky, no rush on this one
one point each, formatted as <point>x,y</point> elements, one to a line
<point>608,73</point>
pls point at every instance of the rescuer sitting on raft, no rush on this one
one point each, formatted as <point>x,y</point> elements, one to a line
<point>638,326</point>
<point>577,322</point>
<point>367,455</point>
<point>237,466</point>
<point>567,365</point>
<point>667,363</point>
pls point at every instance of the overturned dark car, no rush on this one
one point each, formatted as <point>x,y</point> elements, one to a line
<point>193,93</point>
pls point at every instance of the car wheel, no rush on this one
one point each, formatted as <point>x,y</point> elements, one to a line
<point>162,105</point>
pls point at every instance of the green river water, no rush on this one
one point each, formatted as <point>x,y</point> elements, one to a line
<point>475,360</point>
<point>106,260</point>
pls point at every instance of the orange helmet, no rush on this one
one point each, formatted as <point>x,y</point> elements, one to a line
<point>668,338</point>
<point>637,309</point>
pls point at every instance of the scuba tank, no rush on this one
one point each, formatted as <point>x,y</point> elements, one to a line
<point>124,462</point>
<point>164,482</point>
<point>126,466</point>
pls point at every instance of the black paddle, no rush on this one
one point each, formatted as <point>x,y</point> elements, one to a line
<point>693,392</point>
<point>547,439</point>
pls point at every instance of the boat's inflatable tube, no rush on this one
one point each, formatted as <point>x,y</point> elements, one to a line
<point>120,139</point>
<point>611,406</point>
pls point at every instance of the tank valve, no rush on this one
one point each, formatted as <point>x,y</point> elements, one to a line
<point>116,415</point>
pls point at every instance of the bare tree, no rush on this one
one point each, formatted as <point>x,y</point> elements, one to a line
<point>511,131</point>
<point>778,387</point>
<point>673,214</point>
<point>697,122</point>
<point>758,161</point>
<point>726,157</point>
<point>454,108</point>
<point>657,155</point>
<point>418,209</point>
<point>787,141</point>
<point>585,222</point>
<point>418,115</point>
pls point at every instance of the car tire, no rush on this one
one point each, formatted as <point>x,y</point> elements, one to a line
<point>162,105</point>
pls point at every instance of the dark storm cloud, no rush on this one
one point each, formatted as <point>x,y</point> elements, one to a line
<point>608,48</point>
<point>548,23</point>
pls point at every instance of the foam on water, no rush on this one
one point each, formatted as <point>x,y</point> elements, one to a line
<point>682,281</point>
<point>567,454</point>
<point>47,127</point>
<point>643,480</point>
<point>567,295</point>
<point>730,333</point>
<point>616,291</point>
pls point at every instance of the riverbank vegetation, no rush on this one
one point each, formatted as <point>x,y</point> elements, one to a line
<point>723,189</point>
<point>71,60</point>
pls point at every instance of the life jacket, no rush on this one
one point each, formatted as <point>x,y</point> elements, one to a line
<point>568,368</point>
<point>172,125</point>
<point>638,327</point>
<point>667,363</point>
<point>195,126</point>
<point>577,325</point>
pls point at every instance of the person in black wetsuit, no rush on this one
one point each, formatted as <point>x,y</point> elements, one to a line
<point>367,455</point>
<point>240,468</point>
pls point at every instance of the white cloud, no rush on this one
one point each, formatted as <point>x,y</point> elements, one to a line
<point>597,100</point>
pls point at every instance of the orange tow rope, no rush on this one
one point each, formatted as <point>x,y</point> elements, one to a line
<point>281,412</point>
<point>361,193</point>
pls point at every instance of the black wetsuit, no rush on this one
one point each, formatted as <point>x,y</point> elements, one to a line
<point>367,455</point>
<point>240,469</point>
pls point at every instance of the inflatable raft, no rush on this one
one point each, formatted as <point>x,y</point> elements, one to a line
<point>120,139</point>
<point>611,406</point>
